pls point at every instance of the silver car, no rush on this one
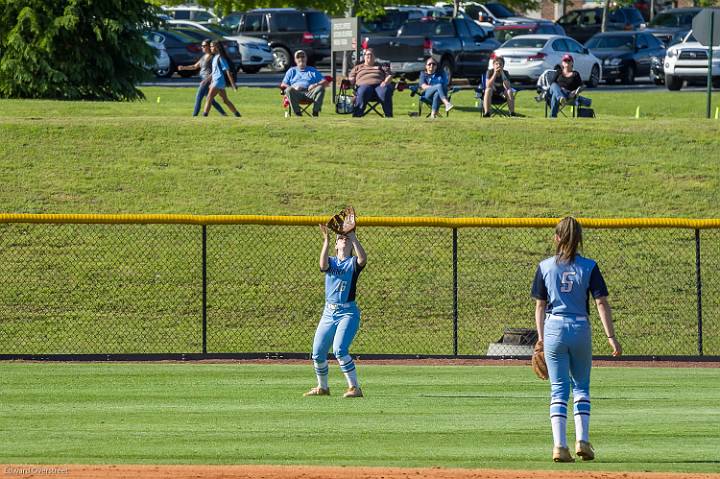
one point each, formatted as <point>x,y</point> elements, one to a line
<point>528,56</point>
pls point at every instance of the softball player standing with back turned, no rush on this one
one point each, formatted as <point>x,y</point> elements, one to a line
<point>562,287</point>
<point>341,317</point>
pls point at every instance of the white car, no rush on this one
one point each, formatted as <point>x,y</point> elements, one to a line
<point>255,53</point>
<point>688,61</point>
<point>190,12</point>
<point>528,56</point>
<point>162,59</point>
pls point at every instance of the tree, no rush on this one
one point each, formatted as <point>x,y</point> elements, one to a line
<point>74,49</point>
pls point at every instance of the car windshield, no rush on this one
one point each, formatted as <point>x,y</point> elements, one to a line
<point>504,34</point>
<point>611,42</point>
<point>217,29</point>
<point>524,43</point>
<point>318,22</point>
<point>391,21</point>
<point>673,19</point>
<point>500,10</point>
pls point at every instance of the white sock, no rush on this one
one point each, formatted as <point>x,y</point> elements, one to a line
<point>582,428</point>
<point>347,366</point>
<point>321,371</point>
<point>582,419</point>
<point>559,425</point>
<point>558,421</point>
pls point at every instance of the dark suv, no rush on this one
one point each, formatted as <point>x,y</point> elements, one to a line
<point>583,24</point>
<point>287,30</point>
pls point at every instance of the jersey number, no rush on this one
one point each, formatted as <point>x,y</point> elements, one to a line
<point>566,281</point>
<point>342,286</point>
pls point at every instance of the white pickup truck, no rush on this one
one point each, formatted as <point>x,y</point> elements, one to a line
<point>688,61</point>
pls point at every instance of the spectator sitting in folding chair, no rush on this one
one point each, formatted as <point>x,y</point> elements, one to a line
<point>433,88</point>
<point>374,83</point>
<point>497,90</point>
<point>566,87</point>
<point>304,85</point>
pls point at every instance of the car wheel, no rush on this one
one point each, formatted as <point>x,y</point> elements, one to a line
<point>658,80</point>
<point>594,77</point>
<point>673,83</point>
<point>253,69</point>
<point>629,75</point>
<point>166,72</point>
<point>716,82</point>
<point>447,67</point>
<point>281,59</point>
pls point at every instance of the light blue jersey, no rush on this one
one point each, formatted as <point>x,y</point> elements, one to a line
<point>341,280</point>
<point>219,66</point>
<point>567,286</point>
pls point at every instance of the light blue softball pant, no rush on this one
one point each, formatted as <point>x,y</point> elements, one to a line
<point>568,353</point>
<point>338,326</point>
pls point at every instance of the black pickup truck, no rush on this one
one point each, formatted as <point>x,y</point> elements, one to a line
<point>461,47</point>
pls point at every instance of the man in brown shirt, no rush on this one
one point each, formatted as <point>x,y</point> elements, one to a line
<point>373,83</point>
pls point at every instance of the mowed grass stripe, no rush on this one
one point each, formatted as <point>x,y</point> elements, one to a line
<point>654,419</point>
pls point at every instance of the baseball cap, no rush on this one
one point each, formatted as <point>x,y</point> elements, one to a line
<point>567,58</point>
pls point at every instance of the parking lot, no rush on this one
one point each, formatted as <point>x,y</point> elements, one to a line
<point>267,79</point>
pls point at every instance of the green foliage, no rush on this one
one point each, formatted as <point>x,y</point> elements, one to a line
<point>74,49</point>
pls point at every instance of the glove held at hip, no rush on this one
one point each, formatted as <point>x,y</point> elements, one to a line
<point>538,361</point>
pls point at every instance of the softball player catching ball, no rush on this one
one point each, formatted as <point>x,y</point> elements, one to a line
<point>341,317</point>
<point>561,288</point>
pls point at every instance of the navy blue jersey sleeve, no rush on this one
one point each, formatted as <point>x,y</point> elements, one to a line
<point>597,283</point>
<point>539,290</point>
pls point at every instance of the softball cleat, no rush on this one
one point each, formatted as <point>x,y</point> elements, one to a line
<point>318,391</point>
<point>353,392</point>
<point>562,454</point>
<point>585,450</point>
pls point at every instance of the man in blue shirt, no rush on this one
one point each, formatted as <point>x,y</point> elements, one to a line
<point>303,82</point>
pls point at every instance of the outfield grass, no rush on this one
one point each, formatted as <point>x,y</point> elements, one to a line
<point>149,157</point>
<point>654,419</point>
<point>89,289</point>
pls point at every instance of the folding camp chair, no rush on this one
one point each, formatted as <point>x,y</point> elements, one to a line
<point>498,101</point>
<point>574,100</point>
<point>305,104</point>
<point>415,90</point>
<point>347,90</point>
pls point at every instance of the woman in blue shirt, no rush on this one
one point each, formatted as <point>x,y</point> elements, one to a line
<point>220,71</point>
<point>341,317</point>
<point>562,287</point>
<point>434,87</point>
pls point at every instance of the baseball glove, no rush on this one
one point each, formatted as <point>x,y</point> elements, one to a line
<point>343,222</point>
<point>538,361</point>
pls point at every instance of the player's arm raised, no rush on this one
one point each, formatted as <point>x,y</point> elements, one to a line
<point>324,261</point>
<point>605,313</point>
<point>361,255</point>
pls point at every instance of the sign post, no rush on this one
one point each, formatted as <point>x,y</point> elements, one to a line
<point>344,38</point>
<point>706,29</point>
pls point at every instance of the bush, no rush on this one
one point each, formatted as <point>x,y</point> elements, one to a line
<point>74,49</point>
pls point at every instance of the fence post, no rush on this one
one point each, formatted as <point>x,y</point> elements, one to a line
<point>455,292</point>
<point>204,289</point>
<point>698,283</point>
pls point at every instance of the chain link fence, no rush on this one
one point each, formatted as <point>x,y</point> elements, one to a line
<point>256,289</point>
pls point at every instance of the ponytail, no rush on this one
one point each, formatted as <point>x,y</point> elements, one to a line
<point>569,239</point>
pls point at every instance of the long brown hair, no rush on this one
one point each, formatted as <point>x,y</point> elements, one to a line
<point>569,239</point>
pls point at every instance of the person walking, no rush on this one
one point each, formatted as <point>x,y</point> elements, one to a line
<point>340,319</point>
<point>220,71</point>
<point>204,64</point>
<point>562,287</point>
